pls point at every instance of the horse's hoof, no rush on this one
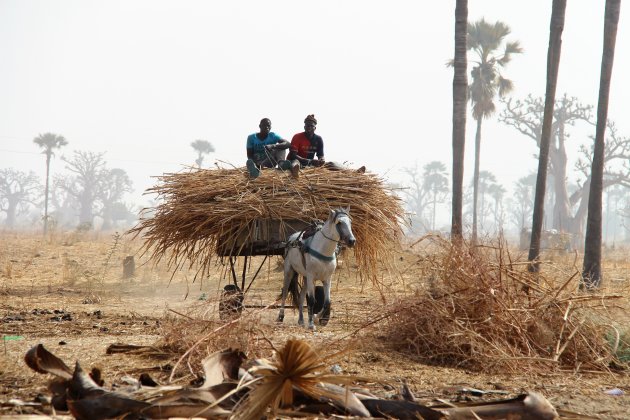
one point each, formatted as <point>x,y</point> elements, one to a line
<point>323,321</point>
<point>280,320</point>
<point>311,327</point>
<point>301,323</point>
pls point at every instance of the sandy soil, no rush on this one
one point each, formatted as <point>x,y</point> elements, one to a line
<point>67,293</point>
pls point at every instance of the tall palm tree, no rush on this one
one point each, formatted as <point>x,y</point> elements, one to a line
<point>436,184</point>
<point>492,53</point>
<point>460,96</point>
<point>48,142</point>
<point>556,27</point>
<point>592,269</point>
<point>202,147</point>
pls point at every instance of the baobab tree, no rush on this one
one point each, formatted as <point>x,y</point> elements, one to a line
<point>202,147</point>
<point>49,142</point>
<point>17,190</point>
<point>84,185</point>
<point>114,183</point>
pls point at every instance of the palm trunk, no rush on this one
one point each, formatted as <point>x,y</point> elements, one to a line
<point>433,217</point>
<point>553,64</point>
<point>476,179</point>
<point>460,96</point>
<point>46,194</point>
<point>591,271</point>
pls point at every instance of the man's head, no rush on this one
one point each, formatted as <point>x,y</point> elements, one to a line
<point>310,124</point>
<point>265,126</point>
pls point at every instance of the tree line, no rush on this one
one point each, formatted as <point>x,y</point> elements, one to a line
<point>87,189</point>
<point>487,87</point>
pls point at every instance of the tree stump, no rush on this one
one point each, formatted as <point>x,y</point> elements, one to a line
<point>129,267</point>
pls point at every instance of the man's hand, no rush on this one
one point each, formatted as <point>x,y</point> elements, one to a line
<point>270,146</point>
<point>318,162</point>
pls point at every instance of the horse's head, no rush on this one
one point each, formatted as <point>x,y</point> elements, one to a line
<point>341,219</point>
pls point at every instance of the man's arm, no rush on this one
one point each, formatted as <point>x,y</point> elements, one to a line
<point>249,147</point>
<point>282,144</point>
<point>320,150</point>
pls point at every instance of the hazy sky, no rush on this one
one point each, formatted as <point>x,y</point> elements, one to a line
<point>140,80</point>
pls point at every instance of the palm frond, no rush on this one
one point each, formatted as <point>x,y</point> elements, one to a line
<point>296,367</point>
<point>505,86</point>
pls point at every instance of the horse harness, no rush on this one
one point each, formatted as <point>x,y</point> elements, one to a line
<point>304,239</point>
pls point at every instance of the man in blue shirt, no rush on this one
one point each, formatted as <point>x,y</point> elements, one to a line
<point>264,149</point>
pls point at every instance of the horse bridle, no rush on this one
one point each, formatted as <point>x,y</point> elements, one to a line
<point>337,214</point>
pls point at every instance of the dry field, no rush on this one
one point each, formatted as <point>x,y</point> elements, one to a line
<point>67,292</point>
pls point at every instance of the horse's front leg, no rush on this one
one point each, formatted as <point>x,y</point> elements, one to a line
<point>310,299</point>
<point>324,315</point>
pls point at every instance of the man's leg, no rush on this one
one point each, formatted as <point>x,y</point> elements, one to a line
<point>252,169</point>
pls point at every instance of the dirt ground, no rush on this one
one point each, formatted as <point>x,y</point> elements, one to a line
<point>66,291</point>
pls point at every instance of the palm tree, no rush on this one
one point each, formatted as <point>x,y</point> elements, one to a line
<point>486,40</point>
<point>48,142</point>
<point>592,269</point>
<point>553,64</point>
<point>460,96</point>
<point>202,147</point>
<point>436,184</point>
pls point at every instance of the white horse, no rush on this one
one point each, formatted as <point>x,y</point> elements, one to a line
<point>315,258</point>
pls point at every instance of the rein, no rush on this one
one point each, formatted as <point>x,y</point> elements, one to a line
<point>307,249</point>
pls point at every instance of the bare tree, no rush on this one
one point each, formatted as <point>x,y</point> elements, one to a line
<point>527,117</point>
<point>114,183</point>
<point>17,190</point>
<point>48,142</point>
<point>84,185</point>
<point>202,147</point>
<point>416,199</point>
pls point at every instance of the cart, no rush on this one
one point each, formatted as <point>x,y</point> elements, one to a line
<point>262,237</point>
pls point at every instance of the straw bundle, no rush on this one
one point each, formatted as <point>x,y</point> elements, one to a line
<point>483,311</point>
<point>201,210</point>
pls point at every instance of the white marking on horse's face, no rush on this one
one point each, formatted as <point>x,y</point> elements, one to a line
<point>345,230</point>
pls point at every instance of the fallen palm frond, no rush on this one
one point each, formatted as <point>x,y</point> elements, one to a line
<point>294,384</point>
<point>481,310</point>
<point>202,211</point>
<point>297,367</point>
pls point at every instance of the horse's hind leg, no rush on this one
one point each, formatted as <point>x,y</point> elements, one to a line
<point>300,303</point>
<point>289,276</point>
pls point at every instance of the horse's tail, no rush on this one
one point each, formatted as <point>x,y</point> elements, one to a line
<point>293,292</point>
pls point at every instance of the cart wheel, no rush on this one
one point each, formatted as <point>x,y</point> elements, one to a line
<point>319,299</point>
<point>231,304</point>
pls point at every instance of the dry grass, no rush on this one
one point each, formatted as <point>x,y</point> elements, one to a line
<point>198,332</point>
<point>201,210</point>
<point>482,310</point>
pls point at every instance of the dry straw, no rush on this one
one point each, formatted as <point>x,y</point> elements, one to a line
<point>200,210</point>
<point>484,311</point>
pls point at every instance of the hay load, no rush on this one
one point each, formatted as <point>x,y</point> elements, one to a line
<point>206,213</point>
